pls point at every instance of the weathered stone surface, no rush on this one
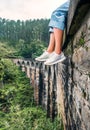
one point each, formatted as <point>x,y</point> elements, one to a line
<point>72,8</point>
<point>77,11</point>
<point>77,102</point>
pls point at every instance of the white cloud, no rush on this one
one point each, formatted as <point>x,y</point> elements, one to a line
<point>28,9</point>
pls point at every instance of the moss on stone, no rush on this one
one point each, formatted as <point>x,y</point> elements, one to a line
<point>68,51</point>
<point>81,42</point>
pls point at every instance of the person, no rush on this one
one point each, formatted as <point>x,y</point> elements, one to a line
<point>57,24</point>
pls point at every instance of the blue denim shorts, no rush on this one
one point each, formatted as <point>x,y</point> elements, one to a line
<point>59,16</point>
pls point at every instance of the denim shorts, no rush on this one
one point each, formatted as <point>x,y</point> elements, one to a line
<point>59,16</point>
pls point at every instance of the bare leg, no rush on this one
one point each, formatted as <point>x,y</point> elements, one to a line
<point>51,46</point>
<point>58,34</point>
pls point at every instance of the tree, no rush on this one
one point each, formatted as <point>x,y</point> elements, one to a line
<point>22,35</point>
<point>1,73</point>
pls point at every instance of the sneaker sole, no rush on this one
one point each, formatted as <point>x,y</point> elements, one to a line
<point>37,59</point>
<point>55,62</point>
<point>41,59</point>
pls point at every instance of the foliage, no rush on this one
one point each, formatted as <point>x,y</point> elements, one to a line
<point>23,38</point>
<point>29,30</point>
<point>37,48</point>
<point>6,50</point>
<point>28,119</point>
<point>17,108</point>
<point>1,70</point>
<point>9,71</point>
<point>33,50</point>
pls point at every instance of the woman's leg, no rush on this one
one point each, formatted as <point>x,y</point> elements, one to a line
<point>58,34</point>
<point>51,43</point>
<point>56,24</point>
<point>55,43</point>
<point>57,56</point>
<point>49,50</point>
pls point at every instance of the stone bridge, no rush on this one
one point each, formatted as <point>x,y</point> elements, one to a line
<point>64,88</point>
<point>44,80</point>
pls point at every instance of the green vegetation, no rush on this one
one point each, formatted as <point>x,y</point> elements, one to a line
<point>81,41</point>
<point>6,50</point>
<point>26,38</point>
<point>17,107</point>
<point>31,50</point>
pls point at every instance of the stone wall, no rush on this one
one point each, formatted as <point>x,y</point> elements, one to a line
<point>64,89</point>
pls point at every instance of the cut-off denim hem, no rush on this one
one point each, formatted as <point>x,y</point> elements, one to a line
<point>59,16</point>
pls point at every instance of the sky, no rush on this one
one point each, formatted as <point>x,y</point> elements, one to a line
<point>28,9</point>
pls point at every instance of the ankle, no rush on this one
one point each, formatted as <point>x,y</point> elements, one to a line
<point>58,52</point>
<point>49,51</point>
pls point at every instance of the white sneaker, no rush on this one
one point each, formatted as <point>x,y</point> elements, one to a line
<point>56,58</point>
<point>44,56</point>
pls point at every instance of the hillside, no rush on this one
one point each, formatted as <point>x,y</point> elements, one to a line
<point>27,38</point>
<point>18,110</point>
